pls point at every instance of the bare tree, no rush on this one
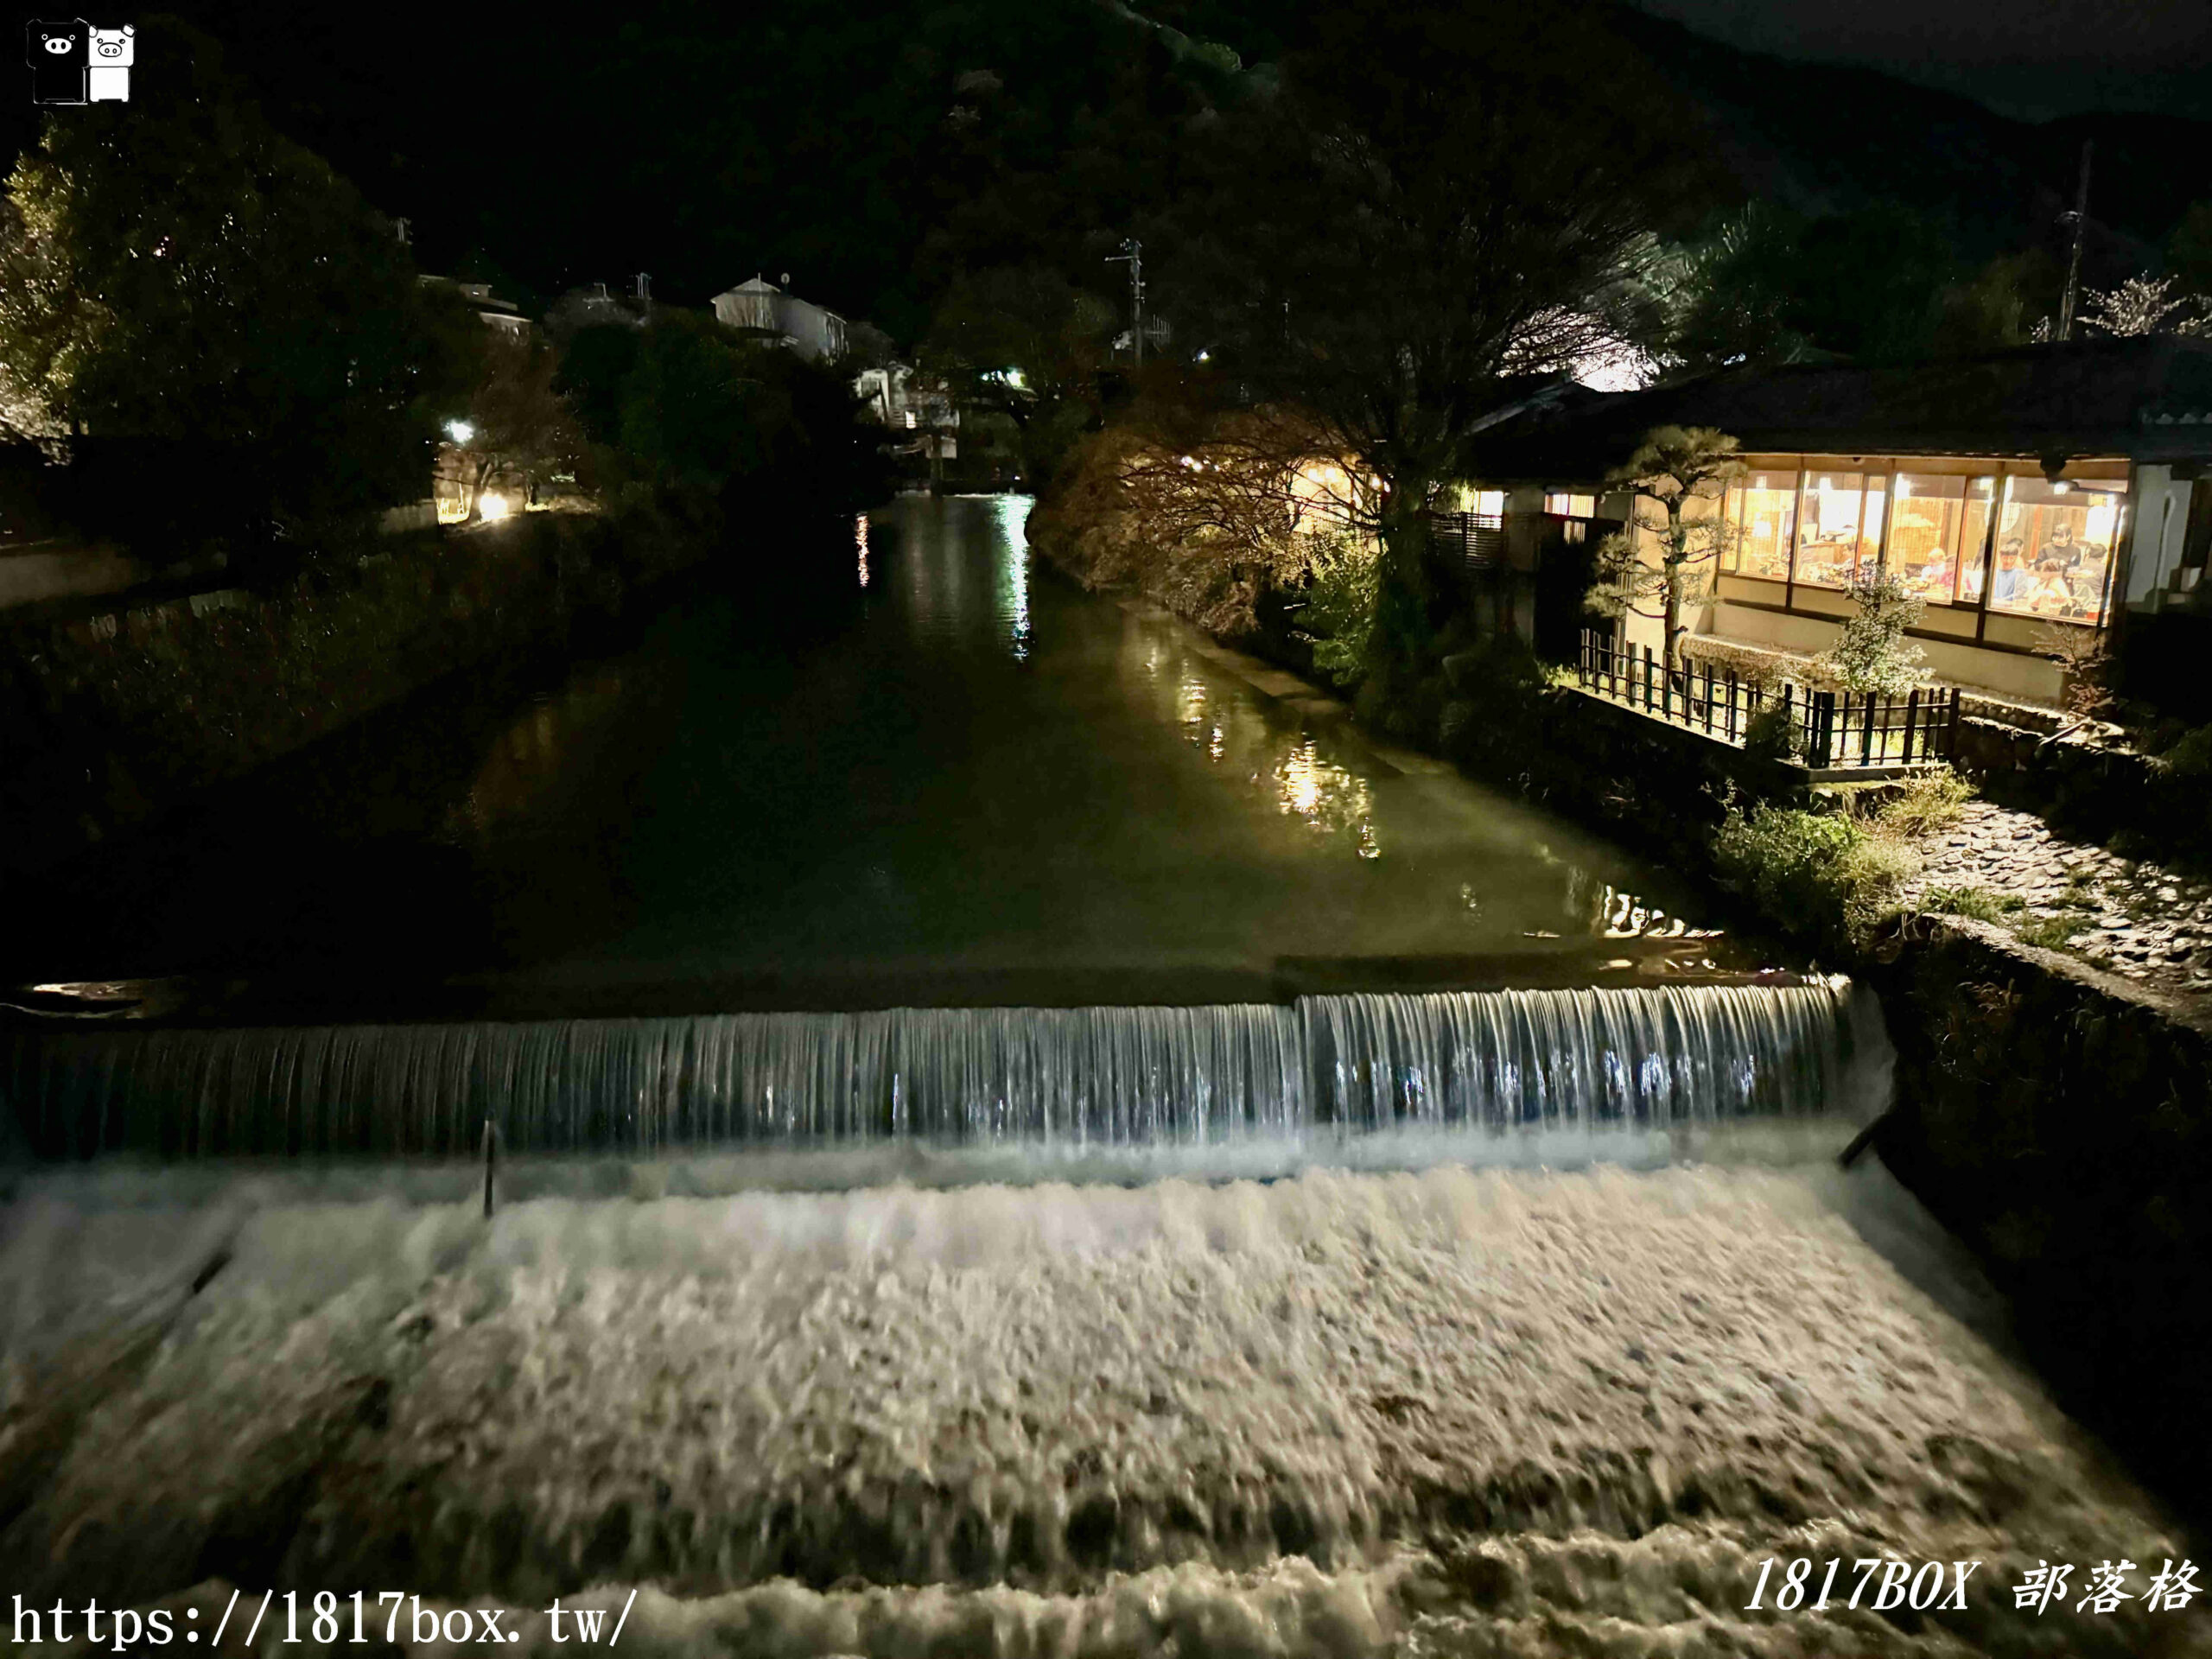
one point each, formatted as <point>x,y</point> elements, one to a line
<point>2144,305</point>
<point>515,420</point>
<point>1435,203</point>
<point>1205,511</point>
<point>1674,471</point>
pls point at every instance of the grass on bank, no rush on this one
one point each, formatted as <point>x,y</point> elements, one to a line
<point>1977,904</point>
<point>1836,876</point>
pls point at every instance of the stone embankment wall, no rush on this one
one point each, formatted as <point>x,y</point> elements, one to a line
<point>2060,1121</point>
<point>113,718</point>
<point>2090,788</point>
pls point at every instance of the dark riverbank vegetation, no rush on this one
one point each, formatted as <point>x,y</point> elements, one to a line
<point>218,359</point>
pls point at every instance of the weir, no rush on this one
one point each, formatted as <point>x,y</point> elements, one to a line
<point>1647,1059</point>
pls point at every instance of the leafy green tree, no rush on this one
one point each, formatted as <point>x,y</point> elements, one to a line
<point>1432,204</point>
<point>729,433</point>
<point>2188,250</point>
<point>595,366</point>
<point>1768,286</point>
<point>186,275</point>
<point>1677,478</point>
<point>1023,346</point>
<point>516,419</point>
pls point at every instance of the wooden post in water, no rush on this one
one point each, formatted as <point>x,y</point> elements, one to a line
<point>491,1163</point>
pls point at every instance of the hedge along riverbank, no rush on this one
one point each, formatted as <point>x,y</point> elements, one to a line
<point>110,719</point>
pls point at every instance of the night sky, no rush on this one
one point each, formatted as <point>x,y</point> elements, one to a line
<point>2034,60</point>
<point>568,144</point>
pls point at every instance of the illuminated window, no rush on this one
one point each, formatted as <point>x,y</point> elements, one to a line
<point>2054,545</point>
<point>1567,506</point>
<point>1489,502</point>
<point>1829,527</point>
<point>1764,509</point>
<point>1937,529</point>
<point>1870,522</point>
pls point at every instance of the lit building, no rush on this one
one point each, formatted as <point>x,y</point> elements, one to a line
<point>2050,486</point>
<point>502,316</point>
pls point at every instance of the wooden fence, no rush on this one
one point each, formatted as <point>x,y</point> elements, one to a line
<point>1831,728</point>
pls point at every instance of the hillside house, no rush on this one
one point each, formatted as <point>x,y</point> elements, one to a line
<point>759,308</point>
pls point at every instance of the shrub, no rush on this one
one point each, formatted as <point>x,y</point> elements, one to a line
<point>1929,802</point>
<point>1771,735</point>
<point>1339,611</point>
<point>1870,653</point>
<point>2051,933</point>
<point>1814,872</point>
<point>2192,756</point>
<point>2087,664</point>
<point>1977,903</point>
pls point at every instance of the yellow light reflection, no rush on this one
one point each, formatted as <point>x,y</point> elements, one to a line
<point>1327,796</point>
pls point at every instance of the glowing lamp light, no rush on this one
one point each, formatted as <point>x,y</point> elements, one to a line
<point>494,506</point>
<point>459,431</point>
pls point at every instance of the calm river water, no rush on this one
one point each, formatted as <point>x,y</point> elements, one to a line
<point>984,785</point>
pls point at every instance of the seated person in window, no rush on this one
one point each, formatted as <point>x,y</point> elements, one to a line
<point>2047,591</point>
<point>2061,548</point>
<point>2006,584</point>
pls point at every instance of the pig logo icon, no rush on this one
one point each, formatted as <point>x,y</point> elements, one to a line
<point>71,62</point>
<point>60,54</point>
<point>108,75</point>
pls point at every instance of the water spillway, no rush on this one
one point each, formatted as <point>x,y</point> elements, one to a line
<point>1645,1059</point>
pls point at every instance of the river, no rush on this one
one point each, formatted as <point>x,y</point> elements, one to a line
<point>978,784</point>
<point>1027,1137</point>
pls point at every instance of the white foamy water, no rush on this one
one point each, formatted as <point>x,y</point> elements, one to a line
<point>1453,1411</point>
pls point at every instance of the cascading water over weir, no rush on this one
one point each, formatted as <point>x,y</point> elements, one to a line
<point>1533,1060</point>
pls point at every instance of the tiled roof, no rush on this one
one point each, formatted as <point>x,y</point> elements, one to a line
<point>2148,399</point>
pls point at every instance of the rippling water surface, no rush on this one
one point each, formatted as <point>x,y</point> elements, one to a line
<point>1450,1411</point>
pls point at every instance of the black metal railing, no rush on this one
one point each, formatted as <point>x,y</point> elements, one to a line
<point>1828,729</point>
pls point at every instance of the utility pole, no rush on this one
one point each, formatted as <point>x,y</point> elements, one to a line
<point>2080,219</point>
<point>1132,254</point>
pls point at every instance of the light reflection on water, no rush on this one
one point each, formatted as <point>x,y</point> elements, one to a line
<point>1012,512</point>
<point>1311,777</point>
<point>990,767</point>
<point>539,753</point>
<point>1225,722</point>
